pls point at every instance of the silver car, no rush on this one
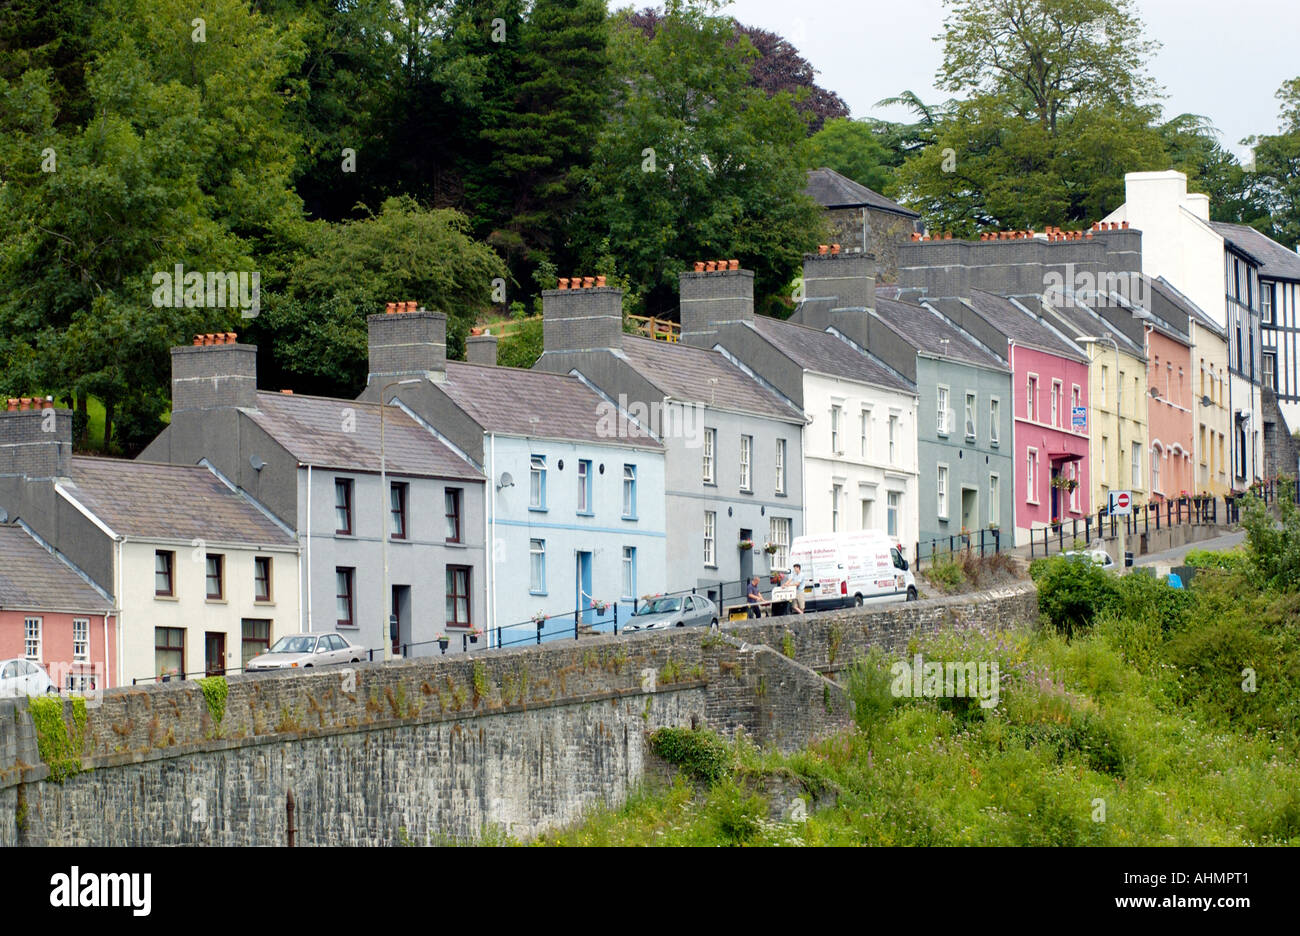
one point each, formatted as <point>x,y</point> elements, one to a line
<point>674,611</point>
<point>19,677</point>
<point>302,651</point>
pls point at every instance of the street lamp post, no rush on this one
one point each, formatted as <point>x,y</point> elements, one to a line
<point>1119,427</point>
<point>386,507</point>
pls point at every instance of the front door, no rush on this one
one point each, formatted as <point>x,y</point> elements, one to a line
<point>214,654</point>
<point>970,508</point>
<point>584,595</point>
<point>746,558</point>
<point>401,634</point>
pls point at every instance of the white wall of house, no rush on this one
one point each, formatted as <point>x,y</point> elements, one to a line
<point>860,473</point>
<point>1177,240</point>
<point>189,608</point>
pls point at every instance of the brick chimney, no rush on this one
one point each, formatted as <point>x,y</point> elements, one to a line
<point>406,341</point>
<point>584,316</point>
<point>481,349</point>
<point>718,293</point>
<point>842,280</point>
<point>35,438</point>
<point>213,373</point>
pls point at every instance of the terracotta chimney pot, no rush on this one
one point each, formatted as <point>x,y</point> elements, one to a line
<point>390,308</point>
<point>699,266</point>
<point>588,282</point>
<point>600,281</point>
<point>198,339</point>
<point>287,392</point>
<point>733,264</point>
<point>1124,225</point>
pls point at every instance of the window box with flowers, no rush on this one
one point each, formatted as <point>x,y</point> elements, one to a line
<point>443,641</point>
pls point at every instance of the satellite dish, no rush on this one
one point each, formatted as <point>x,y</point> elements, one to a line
<point>257,462</point>
<point>1206,401</point>
<point>507,480</point>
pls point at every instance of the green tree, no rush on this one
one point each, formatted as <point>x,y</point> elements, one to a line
<point>1058,107</point>
<point>315,327</point>
<point>1193,146</point>
<point>694,163</point>
<point>852,148</point>
<point>1276,179</point>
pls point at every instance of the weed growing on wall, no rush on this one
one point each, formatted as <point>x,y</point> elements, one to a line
<point>60,747</point>
<point>701,753</point>
<point>215,689</point>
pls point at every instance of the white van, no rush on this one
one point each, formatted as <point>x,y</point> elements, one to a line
<point>845,569</point>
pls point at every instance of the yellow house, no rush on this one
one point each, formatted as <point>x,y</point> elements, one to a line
<point>1117,397</point>
<point>1213,420</point>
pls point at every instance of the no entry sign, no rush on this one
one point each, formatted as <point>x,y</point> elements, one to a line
<point>1121,502</point>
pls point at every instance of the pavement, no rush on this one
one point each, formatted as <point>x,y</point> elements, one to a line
<point>1175,557</point>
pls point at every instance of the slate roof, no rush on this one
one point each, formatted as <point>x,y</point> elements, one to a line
<point>831,190</point>
<point>925,331</point>
<point>135,498</point>
<point>824,353</point>
<point>537,404</point>
<point>1166,289</point>
<point>1088,324</point>
<point>313,430</point>
<point>34,579</point>
<point>1024,329</point>
<point>1275,261</point>
<point>685,373</point>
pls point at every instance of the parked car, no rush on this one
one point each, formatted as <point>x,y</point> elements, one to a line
<point>19,677</point>
<point>844,569</point>
<point>1099,556</point>
<point>300,651</point>
<point>674,611</point>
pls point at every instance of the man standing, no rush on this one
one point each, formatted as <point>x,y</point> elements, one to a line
<point>796,579</point>
<point>754,597</point>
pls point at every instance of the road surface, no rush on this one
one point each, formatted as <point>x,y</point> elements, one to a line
<point>1175,557</point>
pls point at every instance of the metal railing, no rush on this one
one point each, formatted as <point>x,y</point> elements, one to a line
<point>982,542</point>
<point>1179,511</point>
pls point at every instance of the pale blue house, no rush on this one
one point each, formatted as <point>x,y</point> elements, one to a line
<point>575,522</point>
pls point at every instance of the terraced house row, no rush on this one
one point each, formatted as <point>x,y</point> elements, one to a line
<point>997,385</point>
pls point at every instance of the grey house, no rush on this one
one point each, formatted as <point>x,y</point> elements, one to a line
<point>733,446</point>
<point>967,473</point>
<point>316,463</point>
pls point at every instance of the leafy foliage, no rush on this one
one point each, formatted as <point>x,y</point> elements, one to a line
<point>701,753</point>
<point>1274,545</point>
<point>59,746</point>
<point>215,689</point>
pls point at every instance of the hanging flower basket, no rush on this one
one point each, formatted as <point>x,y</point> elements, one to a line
<point>474,634</point>
<point>746,544</point>
<point>770,548</point>
<point>599,606</point>
<point>443,640</point>
<point>539,619</point>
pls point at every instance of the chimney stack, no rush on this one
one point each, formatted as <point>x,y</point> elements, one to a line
<point>721,294</point>
<point>35,438</point>
<point>581,317</point>
<point>481,349</point>
<point>835,280</point>
<point>407,341</point>
<point>213,373</point>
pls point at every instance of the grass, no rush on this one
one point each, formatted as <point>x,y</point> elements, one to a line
<point>1083,748</point>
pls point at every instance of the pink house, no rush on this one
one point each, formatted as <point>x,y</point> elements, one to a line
<point>51,615</point>
<point>1170,415</point>
<point>1049,383</point>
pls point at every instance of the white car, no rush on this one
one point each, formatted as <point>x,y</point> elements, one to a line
<point>1099,556</point>
<point>19,677</point>
<point>303,651</point>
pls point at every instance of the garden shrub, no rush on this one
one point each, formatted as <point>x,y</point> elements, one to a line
<point>701,753</point>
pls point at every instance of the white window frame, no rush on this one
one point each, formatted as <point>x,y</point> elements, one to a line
<point>33,635</point>
<point>972,401</point>
<point>629,571</point>
<point>893,512</point>
<point>537,479</point>
<point>995,434</point>
<point>1074,495</point>
<point>1056,403</point>
<point>995,497</point>
<point>1031,397</point>
<point>629,491</point>
<point>1136,464</point>
<point>780,466</point>
<point>894,423</point>
<point>941,409</point>
<point>1031,475</point>
<point>709,467</point>
<point>80,640</point>
<point>836,491</point>
<point>837,414</point>
<point>864,432</point>
<point>537,557</point>
<point>584,486</point>
<point>711,539</point>
<point>866,505</point>
<point>746,463</point>
<point>941,491</point>
<point>780,530</point>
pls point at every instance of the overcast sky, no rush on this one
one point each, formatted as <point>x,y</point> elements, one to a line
<point>1224,60</point>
